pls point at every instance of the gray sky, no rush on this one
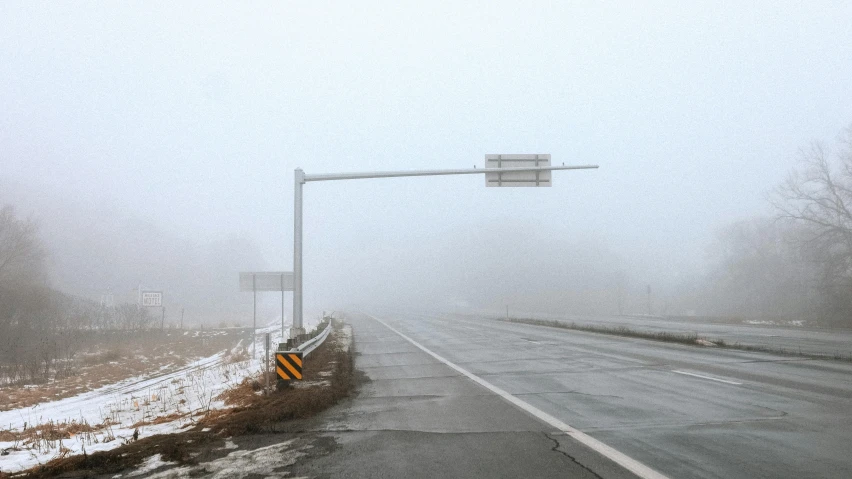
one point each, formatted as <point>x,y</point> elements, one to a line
<point>193,116</point>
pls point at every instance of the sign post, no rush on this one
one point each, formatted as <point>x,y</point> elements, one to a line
<point>254,317</point>
<point>282,303</point>
<point>266,365</point>
<point>266,281</point>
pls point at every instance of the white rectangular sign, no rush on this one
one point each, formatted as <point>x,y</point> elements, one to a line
<point>152,298</point>
<point>267,281</point>
<point>518,178</point>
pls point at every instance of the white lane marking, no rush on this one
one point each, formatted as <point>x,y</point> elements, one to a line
<point>708,377</point>
<point>616,456</point>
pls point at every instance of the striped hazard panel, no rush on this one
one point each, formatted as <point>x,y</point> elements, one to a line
<point>288,365</point>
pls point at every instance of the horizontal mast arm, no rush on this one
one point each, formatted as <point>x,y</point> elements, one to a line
<point>470,171</point>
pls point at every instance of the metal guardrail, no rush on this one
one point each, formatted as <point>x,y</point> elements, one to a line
<point>312,344</point>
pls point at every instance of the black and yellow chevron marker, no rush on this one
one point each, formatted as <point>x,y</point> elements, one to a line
<point>288,365</point>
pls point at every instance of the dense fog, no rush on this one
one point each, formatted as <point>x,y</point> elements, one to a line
<point>153,146</point>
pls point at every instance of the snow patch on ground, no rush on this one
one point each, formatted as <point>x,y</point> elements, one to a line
<point>240,464</point>
<point>150,464</point>
<point>185,393</point>
<point>795,322</point>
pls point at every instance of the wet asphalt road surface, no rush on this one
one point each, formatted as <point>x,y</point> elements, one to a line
<point>684,411</point>
<point>688,412</point>
<point>416,417</point>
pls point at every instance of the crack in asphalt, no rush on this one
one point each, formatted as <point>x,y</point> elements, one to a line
<point>555,448</point>
<point>779,412</point>
<point>790,360</point>
<point>600,369</point>
<point>669,425</point>
<point>569,392</point>
<point>378,380</point>
<point>516,360</point>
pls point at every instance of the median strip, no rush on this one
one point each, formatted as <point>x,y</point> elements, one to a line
<point>689,339</point>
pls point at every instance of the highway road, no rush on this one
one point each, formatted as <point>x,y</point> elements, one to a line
<point>434,409</point>
<point>415,417</point>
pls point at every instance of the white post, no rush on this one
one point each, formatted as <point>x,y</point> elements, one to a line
<point>297,329</point>
<point>254,318</point>
<point>282,306</point>
<point>266,365</point>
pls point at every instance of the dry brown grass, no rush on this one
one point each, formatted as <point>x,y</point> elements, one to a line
<point>242,395</point>
<point>49,431</point>
<point>160,420</point>
<point>102,357</point>
<point>261,413</point>
<point>172,447</point>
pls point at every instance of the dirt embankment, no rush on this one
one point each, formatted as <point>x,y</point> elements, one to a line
<point>329,377</point>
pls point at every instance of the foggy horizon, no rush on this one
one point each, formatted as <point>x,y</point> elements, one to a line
<point>156,144</point>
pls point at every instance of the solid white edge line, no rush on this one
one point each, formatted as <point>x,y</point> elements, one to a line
<point>616,456</point>
<point>707,377</point>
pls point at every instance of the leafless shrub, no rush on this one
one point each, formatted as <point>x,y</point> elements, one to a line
<point>818,197</point>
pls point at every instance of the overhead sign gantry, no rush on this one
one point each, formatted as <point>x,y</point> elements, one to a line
<point>503,170</point>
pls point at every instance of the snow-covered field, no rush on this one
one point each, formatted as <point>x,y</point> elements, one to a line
<point>178,398</point>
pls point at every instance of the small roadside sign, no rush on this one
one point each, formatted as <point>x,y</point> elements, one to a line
<point>288,365</point>
<point>266,281</point>
<point>152,298</point>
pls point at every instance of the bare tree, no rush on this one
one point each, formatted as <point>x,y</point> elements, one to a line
<point>758,270</point>
<point>21,251</point>
<point>819,196</point>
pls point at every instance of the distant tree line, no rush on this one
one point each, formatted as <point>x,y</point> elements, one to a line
<point>798,263</point>
<point>38,324</point>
